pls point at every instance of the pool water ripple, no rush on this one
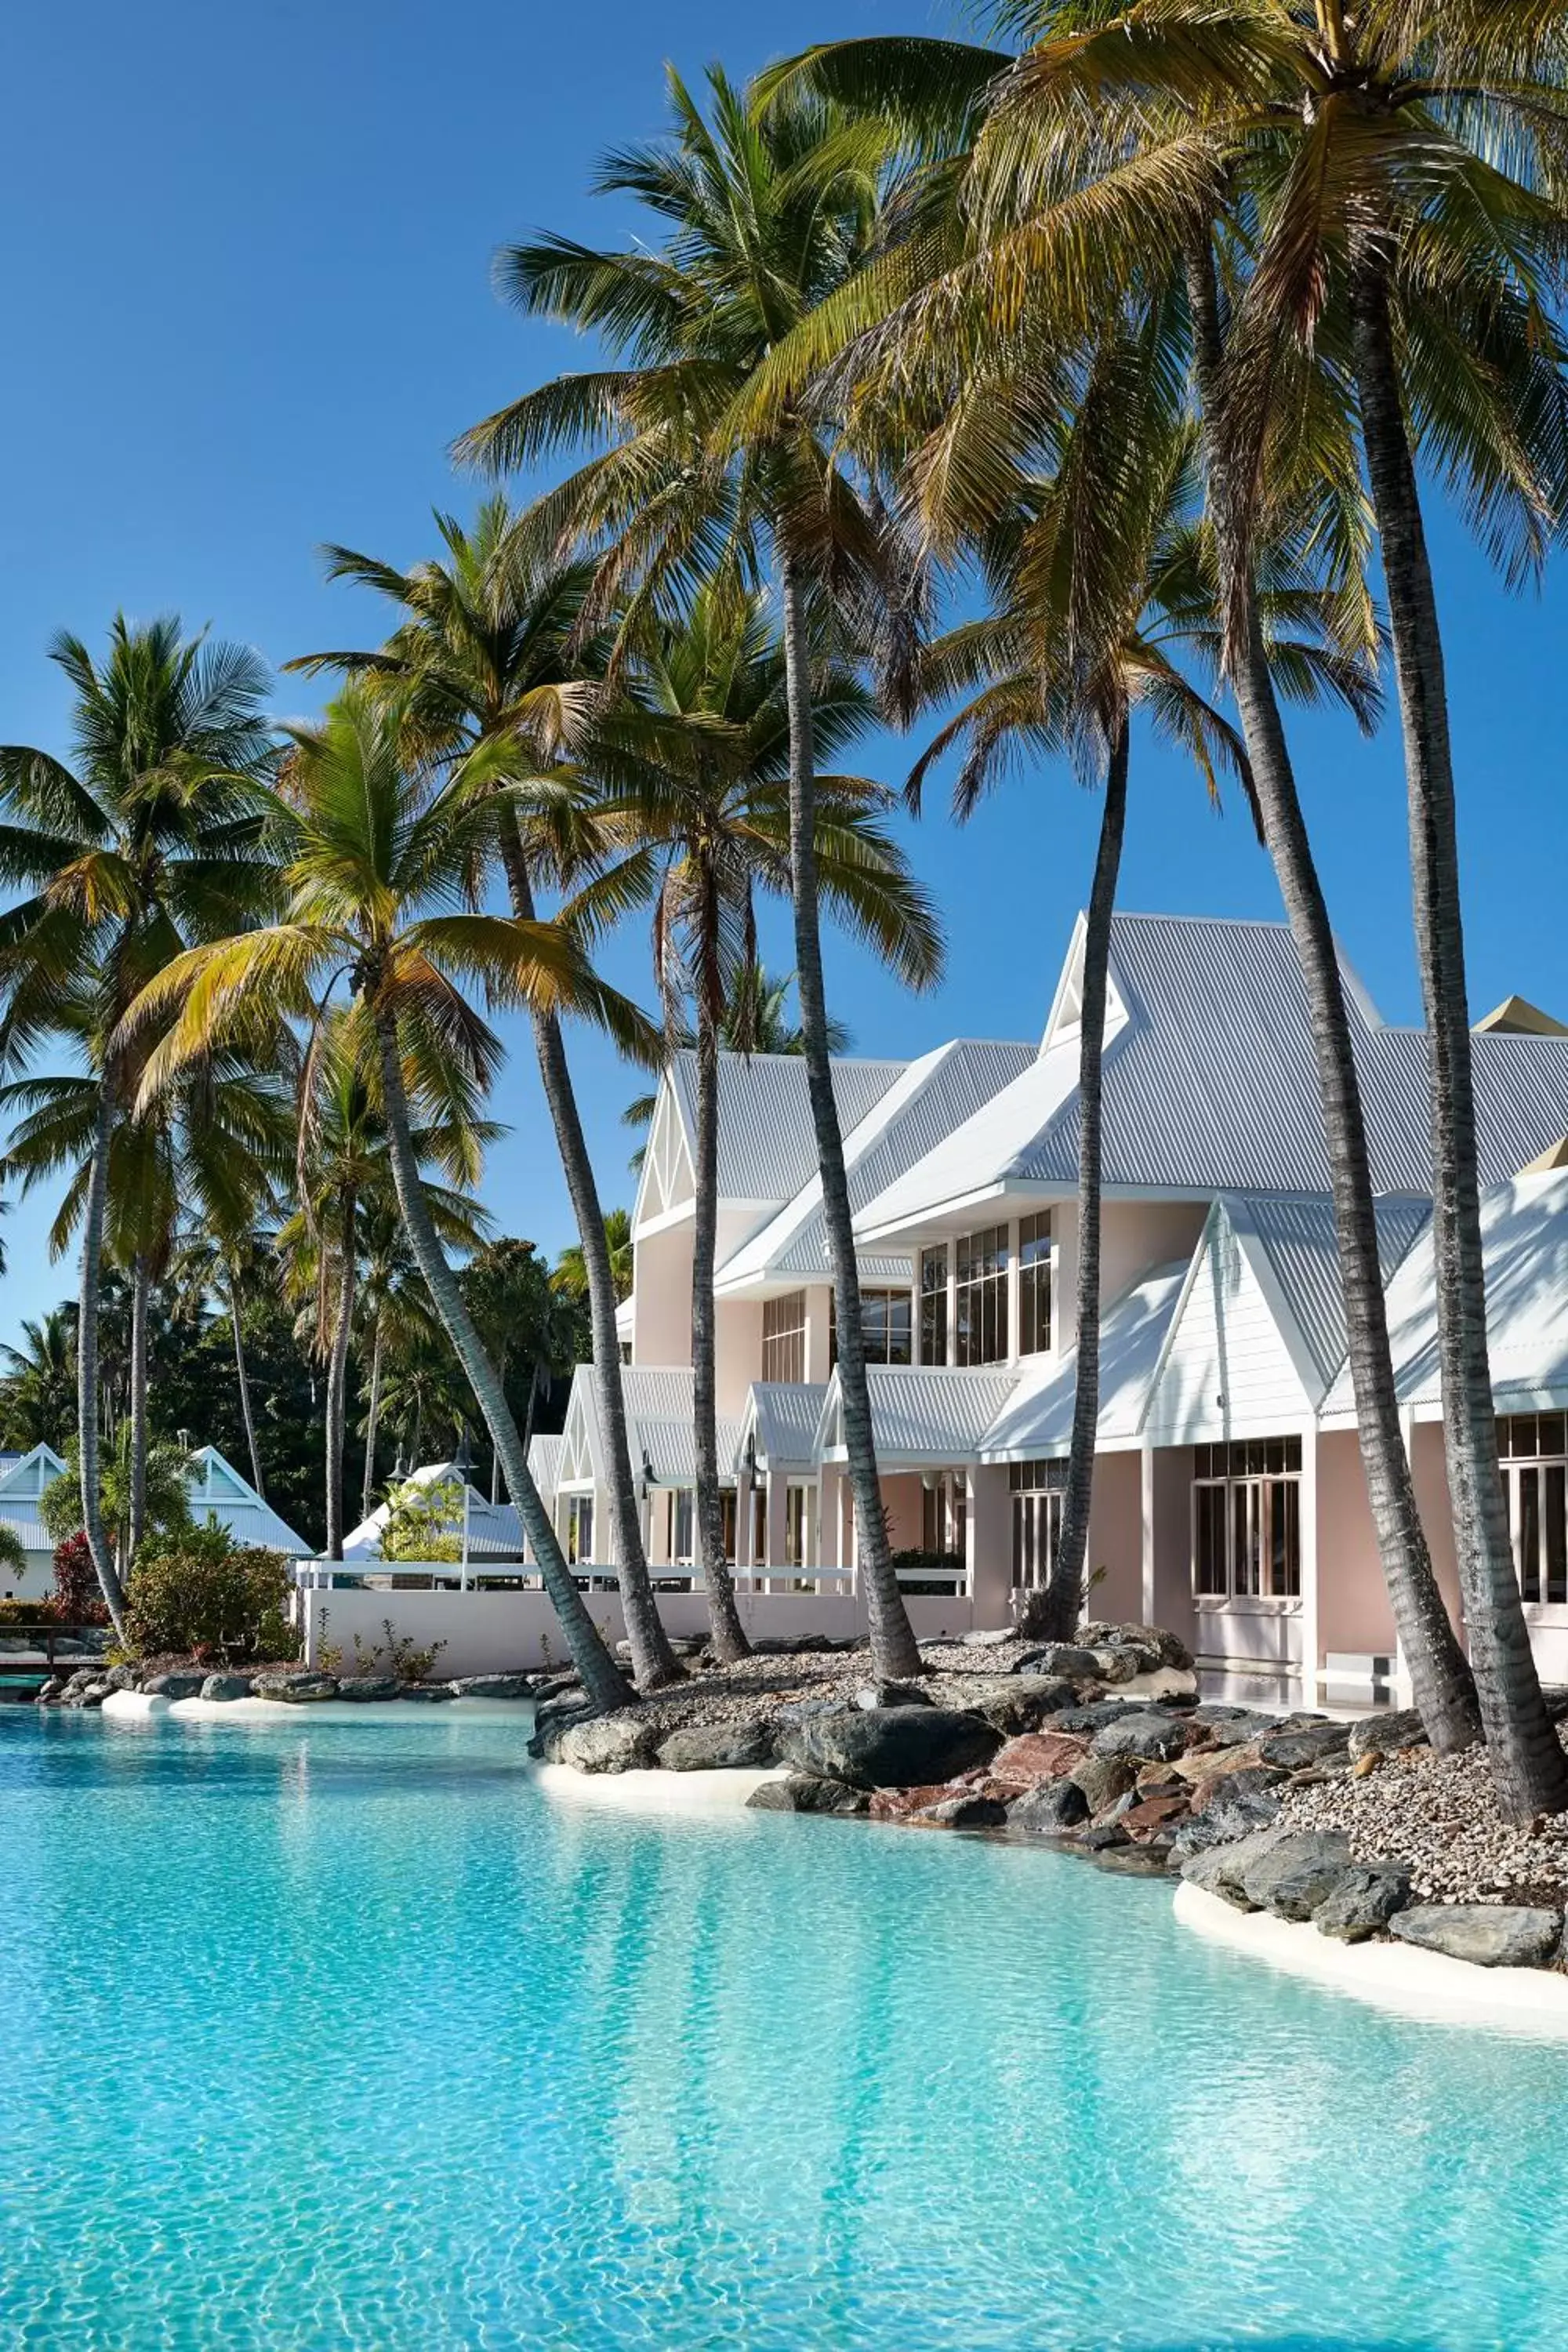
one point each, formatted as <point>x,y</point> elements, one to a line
<point>349,2038</point>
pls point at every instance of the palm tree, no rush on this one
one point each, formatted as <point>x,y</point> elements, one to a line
<point>524,1321</point>
<point>393,1307</point>
<point>37,1390</point>
<point>697,769</point>
<point>211,1266</point>
<point>377,853</point>
<point>762,219</point>
<point>423,1391</point>
<point>492,650</point>
<point>571,1277</point>
<point>1061,194</point>
<point>157,1489</point>
<point>149,844</point>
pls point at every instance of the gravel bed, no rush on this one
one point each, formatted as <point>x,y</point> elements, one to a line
<point>1436,1815</point>
<point>761,1685</point>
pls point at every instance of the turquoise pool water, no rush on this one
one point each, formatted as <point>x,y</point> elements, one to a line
<point>332,2036</point>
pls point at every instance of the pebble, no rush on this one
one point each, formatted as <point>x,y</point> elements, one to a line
<point>1436,1815</point>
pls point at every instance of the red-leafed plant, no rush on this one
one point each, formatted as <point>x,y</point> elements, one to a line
<point>77,1599</point>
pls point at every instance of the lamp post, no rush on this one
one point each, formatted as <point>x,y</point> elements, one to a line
<point>463,1464</point>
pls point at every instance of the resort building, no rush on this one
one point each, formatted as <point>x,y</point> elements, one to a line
<point>1229,1500</point>
<point>218,1493</point>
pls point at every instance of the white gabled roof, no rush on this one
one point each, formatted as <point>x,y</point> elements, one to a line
<point>922,1414</point>
<point>218,1492</point>
<point>1293,1242</point>
<point>924,1104</point>
<point>495,1531</point>
<point>544,1464</point>
<point>660,1428</point>
<point>767,1144</point>
<point>1210,1086</point>
<point>1524,1238</point>
<point>782,1416</point>
<point>1035,1422</point>
<point>23,1477</point>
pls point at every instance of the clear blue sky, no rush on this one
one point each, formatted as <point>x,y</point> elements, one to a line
<point>246,283</point>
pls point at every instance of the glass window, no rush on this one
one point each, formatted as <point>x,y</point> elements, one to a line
<point>1532,1448</point>
<point>796,1525</point>
<point>980,1331</point>
<point>783,1336</point>
<point>887,1326</point>
<point>1037,1489</point>
<point>934,1306</point>
<point>681,1524</point>
<point>1033,1285</point>
<point>580,1528</point>
<point>1247,1520</point>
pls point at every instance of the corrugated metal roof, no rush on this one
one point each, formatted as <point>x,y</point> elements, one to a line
<point>660,1422</point>
<point>1037,1420</point>
<point>27,1529</point>
<point>1524,1236</point>
<point>495,1531</point>
<point>218,1491</point>
<point>1296,1236</point>
<point>931,1099</point>
<point>1211,1085</point>
<point>784,1415</point>
<point>767,1144</point>
<point>544,1462</point>
<point>924,1414</point>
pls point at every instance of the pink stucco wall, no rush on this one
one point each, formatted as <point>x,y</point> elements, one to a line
<point>1354,1613</point>
<point>1116,1538</point>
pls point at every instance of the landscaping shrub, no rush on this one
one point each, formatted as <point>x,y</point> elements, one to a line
<point>77,1598</point>
<point>424,1523</point>
<point>197,1592</point>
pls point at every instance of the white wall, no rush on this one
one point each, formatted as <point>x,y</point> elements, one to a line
<point>1226,1345</point>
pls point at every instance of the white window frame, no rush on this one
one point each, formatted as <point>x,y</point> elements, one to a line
<point>1251,1496</point>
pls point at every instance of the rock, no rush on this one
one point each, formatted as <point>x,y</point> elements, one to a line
<point>491,1686</point>
<point>227,1686</point>
<point>1387,1733</point>
<point>547,1686</point>
<point>1231,1788</point>
<point>1146,1732</point>
<point>1101,1834</point>
<point>1297,1874</point>
<point>1489,1935</point>
<point>1049,1810</point>
<point>1060,1658</point>
<point>1017,1702</point>
<point>95,1694</point>
<point>299,1686</point>
<point>1146,1822</point>
<point>624,1742</point>
<point>1366,1764</point>
<point>1362,1901</point>
<point>889,1747</point>
<point>1103,1778</point>
<point>717,1747</point>
<point>1237,1727</point>
<point>183,1684</point>
<point>123,1679</point>
<point>1211,1763</point>
<point>1117,1665</point>
<point>1297,1748</point>
<point>1168,1647</point>
<point>426,1694</point>
<point>365,1688</point>
<point>1091,1716</point>
<point>888,1694</point>
<point>1229,1813</point>
<point>991,1638</point>
<point>1038,1756</point>
<point>1222,1870</point>
<point>970,1810</point>
<point>51,1692</point>
<point>805,1792</point>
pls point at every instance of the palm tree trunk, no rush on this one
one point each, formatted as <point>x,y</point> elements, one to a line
<point>723,1619</point>
<point>1528,1767</point>
<point>243,1376</point>
<point>1063,1597</point>
<point>87,1365</point>
<point>600,1677</point>
<point>141,1284</point>
<point>527,1432</point>
<point>654,1663</point>
<point>372,1416</point>
<point>337,1383</point>
<point>1440,1679</point>
<point>894,1650</point>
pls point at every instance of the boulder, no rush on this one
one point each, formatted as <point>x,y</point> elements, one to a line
<point>1049,1810</point>
<point>1013,1703</point>
<point>888,1694</point>
<point>52,1692</point>
<point>491,1686</point>
<point>1362,1901</point>
<point>1038,1756</point>
<point>123,1679</point>
<point>1228,1814</point>
<point>1151,1820</point>
<point>1298,1748</point>
<point>1169,1648</point>
<point>1091,1716</point>
<point>888,1746</point>
<point>299,1686</point>
<point>717,1747</point>
<point>993,1637</point>
<point>1489,1935</point>
<point>1120,1666</point>
<point>364,1688</point>
<point>227,1686</point>
<point>1297,1874</point>
<point>1222,1869</point>
<point>1066,1658</point>
<point>970,1809</point>
<point>1100,1835</point>
<point>547,1686</point>
<point>183,1684</point>
<point>1385,1734</point>
<point>624,1742</point>
<point>94,1694</point>
<point>1147,1732</point>
<point>1214,1763</point>
<point>805,1792</point>
<point>1103,1778</point>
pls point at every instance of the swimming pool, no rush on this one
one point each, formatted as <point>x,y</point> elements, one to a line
<point>335,2035</point>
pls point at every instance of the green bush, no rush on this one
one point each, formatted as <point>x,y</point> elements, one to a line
<point>197,1592</point>
<point>41,1612</point>
<point>424,1523</point>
